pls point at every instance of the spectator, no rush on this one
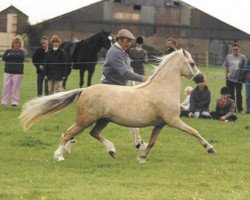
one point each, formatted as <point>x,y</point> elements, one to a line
<point>170,45</point>
<point>55,66</point>
<point>116,71</point>
<point>38,60</point>
<point>235,76</point>
<point>13,72</point>
<point>247,71</point>
<point>138,56</point>
<point>199,102</point>
<point>224,107</point>
<point>186,103</point>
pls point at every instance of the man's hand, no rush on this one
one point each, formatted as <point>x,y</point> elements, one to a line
<point>223,118</point>
<point>41,67</point>
<point>190,114</point>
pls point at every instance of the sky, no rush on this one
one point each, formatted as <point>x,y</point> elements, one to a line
<point>235,13</point>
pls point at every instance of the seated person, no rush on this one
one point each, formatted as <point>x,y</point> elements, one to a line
<point>225,107</point>
<point>186,103</point>
<point>199,102</point>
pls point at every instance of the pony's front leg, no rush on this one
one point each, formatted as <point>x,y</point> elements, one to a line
<point>91,69</point>
<point>153,137</point>
<point>184,127</point>
<point>81,74</point>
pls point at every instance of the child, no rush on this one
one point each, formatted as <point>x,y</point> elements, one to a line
<point>186,103</point>
<point>225,107</point>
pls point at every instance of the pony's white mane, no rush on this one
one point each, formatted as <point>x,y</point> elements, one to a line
<point>164,59</point>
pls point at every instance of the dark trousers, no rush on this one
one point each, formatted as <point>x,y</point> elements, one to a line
<point>216,115</point>
<point>247,85</point>
<point>235,86</point>
<point>40,81</point>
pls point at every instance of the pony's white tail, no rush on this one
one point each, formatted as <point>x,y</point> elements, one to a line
<point>42,107</point>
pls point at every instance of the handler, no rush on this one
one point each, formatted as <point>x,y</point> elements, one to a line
<point>117,71</point>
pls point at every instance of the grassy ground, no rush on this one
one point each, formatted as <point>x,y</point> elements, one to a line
<point>176,168</point>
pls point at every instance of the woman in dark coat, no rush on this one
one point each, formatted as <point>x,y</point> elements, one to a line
<point>55,66</point>
<point>199,102</point>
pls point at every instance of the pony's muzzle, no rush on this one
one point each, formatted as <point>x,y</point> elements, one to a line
<point>198,78</point>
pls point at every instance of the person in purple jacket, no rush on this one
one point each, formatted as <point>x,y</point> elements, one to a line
<point>117,71</point>
<point>13,73</point>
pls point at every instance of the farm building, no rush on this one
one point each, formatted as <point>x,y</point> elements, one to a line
<point>198,32</point>
<point>208,39</point>
<point>12,23</point>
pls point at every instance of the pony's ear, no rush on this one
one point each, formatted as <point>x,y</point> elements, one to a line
<point>184,52</point>
<point>106,32</point>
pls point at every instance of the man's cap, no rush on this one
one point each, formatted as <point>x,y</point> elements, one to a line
<point>139,40</point>
<point>224,90</point>
<point>125,33</point>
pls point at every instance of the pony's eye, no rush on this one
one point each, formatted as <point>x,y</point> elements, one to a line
<point>192,64</point>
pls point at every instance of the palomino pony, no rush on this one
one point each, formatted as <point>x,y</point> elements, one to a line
<point>153,103</point>
<point>82,55</point>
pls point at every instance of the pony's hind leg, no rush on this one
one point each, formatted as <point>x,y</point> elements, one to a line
<point>96,133</point>
<point>184,127</point>
<point>67,138</point>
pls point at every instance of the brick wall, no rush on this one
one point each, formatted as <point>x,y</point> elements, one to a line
<point>5,39</point>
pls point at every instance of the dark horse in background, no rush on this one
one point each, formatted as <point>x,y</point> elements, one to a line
<point>82,55</point>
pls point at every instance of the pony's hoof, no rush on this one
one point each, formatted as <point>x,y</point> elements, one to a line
<point>112,153</point>
<point>58,157</point>
<point>142,160</point>
<point>211,150</point>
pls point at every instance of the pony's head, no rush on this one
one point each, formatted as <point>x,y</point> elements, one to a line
<point>106,39</point>
<point>173,66</point>
<point>191,72</point>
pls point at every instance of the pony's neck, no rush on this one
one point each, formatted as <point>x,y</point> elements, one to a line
<point>95,43</point>
<point>167,77</point>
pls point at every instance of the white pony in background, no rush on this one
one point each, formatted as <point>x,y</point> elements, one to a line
<point>153,103</point>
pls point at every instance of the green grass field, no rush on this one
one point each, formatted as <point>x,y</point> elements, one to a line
<point>177,168</point>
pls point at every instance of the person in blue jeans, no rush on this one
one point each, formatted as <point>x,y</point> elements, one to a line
<point>247,84</point>
<point>235,75</point>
